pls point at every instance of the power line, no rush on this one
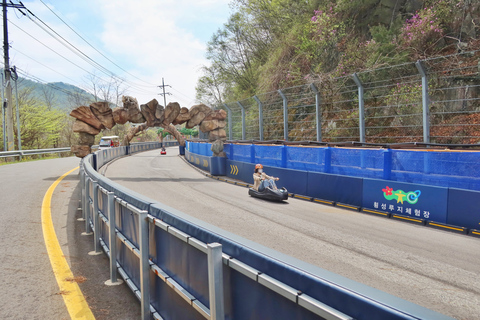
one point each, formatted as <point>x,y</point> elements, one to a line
<point>78,52</point>
<point>93,46</point>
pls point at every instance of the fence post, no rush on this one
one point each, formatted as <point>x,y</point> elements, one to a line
<point>144,264</point>
<point>361,107</point>
<point>82,184</point>
<point>318,112</point>
<point>112,238</point>
<point>215,281</point>
<point>96,221</point>
<point>88,229</point>
<point>243,120</point>
<point>285,115</point>
<point>260,116</point>
<point>230,124</point>
<point>425,102</point>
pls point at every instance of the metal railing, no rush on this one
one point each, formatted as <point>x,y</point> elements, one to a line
<point>147,230</point>
<point>432,100</point>
<point>21,153</point>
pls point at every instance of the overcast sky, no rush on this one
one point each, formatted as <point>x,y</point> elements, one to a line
<point>150,39</point>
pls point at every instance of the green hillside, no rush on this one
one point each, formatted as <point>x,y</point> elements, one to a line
<point>59,95</point>
<point>271,44</point>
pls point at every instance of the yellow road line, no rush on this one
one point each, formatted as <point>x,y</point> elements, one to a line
<point>72,295</point>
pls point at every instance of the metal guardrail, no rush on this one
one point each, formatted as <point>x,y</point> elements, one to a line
<point>21,153</point>
<point>138,260</point>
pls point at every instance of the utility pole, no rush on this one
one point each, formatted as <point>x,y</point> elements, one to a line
<point>164,94</point>
<point>8,101</point>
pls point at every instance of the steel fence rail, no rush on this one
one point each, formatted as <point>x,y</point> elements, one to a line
<point>435,100</point>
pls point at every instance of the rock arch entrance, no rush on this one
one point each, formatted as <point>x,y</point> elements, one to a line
<point>92,119</point>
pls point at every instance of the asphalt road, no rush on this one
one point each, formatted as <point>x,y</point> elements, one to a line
<point>433,268</point>
<point>28,289</point>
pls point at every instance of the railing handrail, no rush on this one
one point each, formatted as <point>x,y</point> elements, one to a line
<point>92,179</point>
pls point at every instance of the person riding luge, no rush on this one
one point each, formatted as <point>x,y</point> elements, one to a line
<point>263,180</point>
<point>265,188</point>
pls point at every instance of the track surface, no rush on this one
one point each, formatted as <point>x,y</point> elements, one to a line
<point>433,268</point>
<point>28,289</point>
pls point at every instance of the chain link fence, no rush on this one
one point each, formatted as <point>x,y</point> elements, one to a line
<point>432,101</point>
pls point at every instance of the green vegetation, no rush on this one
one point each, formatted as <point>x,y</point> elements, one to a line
<point>271,44</point>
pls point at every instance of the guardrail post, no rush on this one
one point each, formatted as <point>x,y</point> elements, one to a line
<point>318,112</point>
<point>144,264</point>
<point>425,102</point>
<point>112,239</point>
<point>260,117</point>
<point>361,108</point>
<point>230,124</point>
<point>88,228</point>
<point>82,185</point>
<point>96,222</point>
<point>215,281</point>
<point>243,121</point>
<point>285,115</point>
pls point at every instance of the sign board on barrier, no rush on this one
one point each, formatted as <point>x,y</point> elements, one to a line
<point>411,200</point>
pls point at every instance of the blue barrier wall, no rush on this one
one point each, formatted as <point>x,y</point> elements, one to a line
<point>215,165</point>
<point>454,169</point>
<point>424,184</point>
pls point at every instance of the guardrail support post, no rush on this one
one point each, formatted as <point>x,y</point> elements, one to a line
<point>82,185</point>
<point>361,107</point>
<point>144,264</point>
<point>243,121</point>
<point>112,239</point>
<point>425,102</point>
<point>88,228</point>
<point>285,115</point>
<point>260,117</point>
<point>96,222</point>
<point>318,112</point>
<point>215,281</point>
<point>230,124</point>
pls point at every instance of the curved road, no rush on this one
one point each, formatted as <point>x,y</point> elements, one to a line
<point>433,268</point>
<point>28,287</point>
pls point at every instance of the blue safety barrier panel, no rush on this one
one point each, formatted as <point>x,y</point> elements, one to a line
<point>410,200</point>
<point>464,208</point>
<point>215,165</point>
<point>203,149</point>
<point>336,188</point>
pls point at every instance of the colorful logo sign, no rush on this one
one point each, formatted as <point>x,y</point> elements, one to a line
<point>400,195</point>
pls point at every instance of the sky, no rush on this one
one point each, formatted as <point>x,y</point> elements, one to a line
<point>142,41</point>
